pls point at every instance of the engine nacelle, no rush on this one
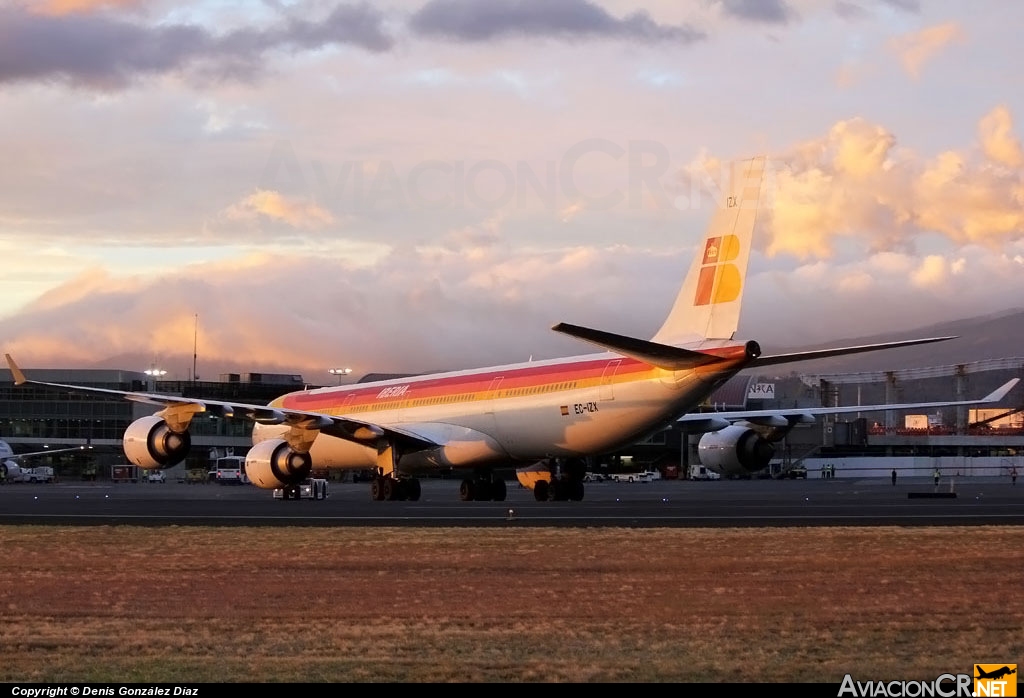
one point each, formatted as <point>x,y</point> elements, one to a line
<point>149,443</point>
<point>735,450</point>
<point>273,463</point>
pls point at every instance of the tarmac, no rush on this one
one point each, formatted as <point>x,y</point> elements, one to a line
<point>974,501</point>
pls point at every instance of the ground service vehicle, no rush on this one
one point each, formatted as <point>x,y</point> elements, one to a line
<point>630,477</point>
<point>124,473</point>
<point>40,474</point>
<point>310,488</point>
<point>699,472</point>
<point>231,470</point>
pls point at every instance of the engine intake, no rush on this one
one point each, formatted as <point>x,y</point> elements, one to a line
<point>273,463</point>
<point>735,450</point>
<point>150,444</point>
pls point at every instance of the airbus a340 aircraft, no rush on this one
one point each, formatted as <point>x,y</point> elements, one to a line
<point>553,412</point>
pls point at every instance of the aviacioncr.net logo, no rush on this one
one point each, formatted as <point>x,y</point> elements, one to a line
<point>944,686</point>
<point>995,680</point>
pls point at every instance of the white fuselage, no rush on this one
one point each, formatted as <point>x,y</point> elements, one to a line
<point>525,412</point>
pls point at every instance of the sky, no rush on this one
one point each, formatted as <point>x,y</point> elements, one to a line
<point>419,185</point>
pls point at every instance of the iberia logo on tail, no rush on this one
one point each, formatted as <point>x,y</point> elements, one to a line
<point>720,280</point>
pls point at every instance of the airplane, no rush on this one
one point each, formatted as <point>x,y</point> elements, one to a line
<point>9,465</point>
<point>545,417</point>
<point>994,674</point>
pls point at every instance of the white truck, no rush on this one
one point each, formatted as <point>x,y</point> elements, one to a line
<point>43,473</point>
<point>630,477</point>
<point>699,472</point>
<point>310,488</point>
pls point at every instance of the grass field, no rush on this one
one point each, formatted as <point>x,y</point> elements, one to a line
<point>272,604</point>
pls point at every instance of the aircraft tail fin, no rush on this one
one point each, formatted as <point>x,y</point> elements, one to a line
<point>708,304</point>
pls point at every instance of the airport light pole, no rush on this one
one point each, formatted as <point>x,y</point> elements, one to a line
<point>339,372</point>
<point>153,372</point>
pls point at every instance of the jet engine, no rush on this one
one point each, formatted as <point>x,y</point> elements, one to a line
<point>273,463</point>
<point>735,450</point>
<point>149,443</point>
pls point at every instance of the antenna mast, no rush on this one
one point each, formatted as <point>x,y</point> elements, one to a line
<point>195,346</point>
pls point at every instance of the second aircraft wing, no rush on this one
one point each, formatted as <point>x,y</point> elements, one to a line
<point>711,421</point>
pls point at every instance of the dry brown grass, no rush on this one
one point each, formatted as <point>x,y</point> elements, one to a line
<point>530,605</point>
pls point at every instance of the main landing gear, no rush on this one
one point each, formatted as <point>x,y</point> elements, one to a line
<point>386,484</point>
<point>386,487</point>
<point>566,483</point>
<point>484,486</point>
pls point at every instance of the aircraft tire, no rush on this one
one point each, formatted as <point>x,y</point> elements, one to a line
<point>576,490</point>
<point>377,489</point>
<point>498,490</point>
<point>482,488</point>
<point>412,489</point>
<point>467,490</point>
<point>541,490</point>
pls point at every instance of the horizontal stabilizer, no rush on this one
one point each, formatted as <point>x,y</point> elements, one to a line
<point>841,351</point>
<point>660,355</point>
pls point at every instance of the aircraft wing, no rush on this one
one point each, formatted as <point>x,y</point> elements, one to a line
<point>47,452</point>
<point>675,358</point>
<point>183,408</point>
<point>712,421</point>
<point>792,357</point>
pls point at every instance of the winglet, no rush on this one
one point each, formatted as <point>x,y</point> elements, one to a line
<point>1000,392</point>
<point>19,376</point>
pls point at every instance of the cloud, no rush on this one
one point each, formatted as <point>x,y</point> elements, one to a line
<point>856,182</point>
<point>917,48</point>
<point>905,5</point>
<point>932,271</point>
<point>472,21</point>
<point>850,10</point>
<point>767,11</point>
<point>997,140</point>
<point>103,51</point>
<point>68,7</point>
<point>493,304</point>
<point>271,204</point>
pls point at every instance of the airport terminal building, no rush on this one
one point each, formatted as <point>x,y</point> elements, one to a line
<point>33,418</point>
<point>964,440</point>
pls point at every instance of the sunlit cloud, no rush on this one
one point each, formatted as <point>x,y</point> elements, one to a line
<point>997,139</point>
<point>933,270</point>
<point>67,7</point>
<point>271,204</point>
<point>856,182</point>
<point>917,48</point>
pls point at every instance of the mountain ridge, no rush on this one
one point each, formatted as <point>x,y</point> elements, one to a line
<point>997,335</point>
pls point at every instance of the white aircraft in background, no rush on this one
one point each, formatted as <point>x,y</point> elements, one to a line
<point>10,466</point>
<point>551,414</point>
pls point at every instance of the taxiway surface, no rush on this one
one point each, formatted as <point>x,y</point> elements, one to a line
<point>672,503</point>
